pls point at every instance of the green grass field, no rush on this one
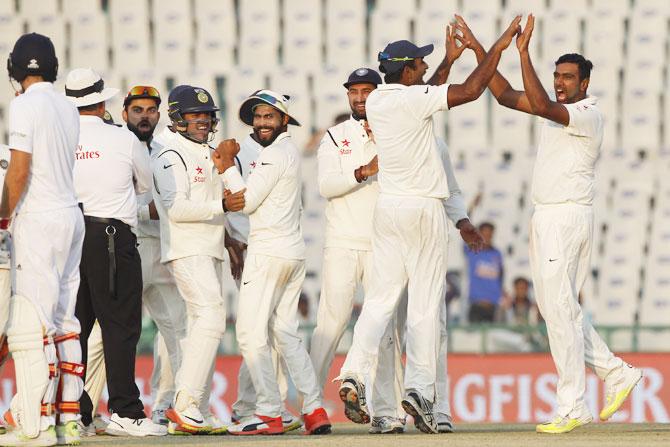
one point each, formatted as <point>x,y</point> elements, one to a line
<point>479,435</point>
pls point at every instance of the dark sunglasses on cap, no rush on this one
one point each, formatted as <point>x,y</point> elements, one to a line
<point>142,91</point>
<point>387,57</point>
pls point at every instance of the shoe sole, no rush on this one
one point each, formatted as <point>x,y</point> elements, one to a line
<point>183,427</point>
<point>263,431</point>
<point>444,428</point>
<point>605,415</point>
<point>321,429</point>
<point>418,416</point>
<point>292,426</point>
<point>561,431</point>
<point>117,432</point>
<point>352,406</point>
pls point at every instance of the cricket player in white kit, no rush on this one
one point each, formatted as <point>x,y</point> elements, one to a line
<point>409,241</point>
<point>5,276</point>
<point>237,238</point>
<point>39,196</point>
<point>562,228</point>
<point>188,194</point>
<point>274,270</point>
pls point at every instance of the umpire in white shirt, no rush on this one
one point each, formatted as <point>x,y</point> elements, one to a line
<point>111,167</point>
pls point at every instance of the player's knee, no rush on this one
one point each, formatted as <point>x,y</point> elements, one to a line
<point>25,328</point>
<point>213,320</point>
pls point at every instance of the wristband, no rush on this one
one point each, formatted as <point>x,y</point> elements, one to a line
<point>4,223</point>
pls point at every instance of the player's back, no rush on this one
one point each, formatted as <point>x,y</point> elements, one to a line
<point>43,122</point>
<point>401,121</point>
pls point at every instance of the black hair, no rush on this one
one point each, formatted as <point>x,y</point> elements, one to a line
<point>519,279</point>
<point>488,225</point>
<point>394,78</point>
<point>89,108</point>
<point>584,64</point>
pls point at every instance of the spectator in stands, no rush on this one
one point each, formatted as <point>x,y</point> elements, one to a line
<point>485,273</point>
<point>518,308</point>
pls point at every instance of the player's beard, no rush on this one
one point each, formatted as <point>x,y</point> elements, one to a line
<point>276,131</point>
<point>142,135</point>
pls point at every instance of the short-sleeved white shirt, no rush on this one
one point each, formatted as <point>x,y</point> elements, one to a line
<point>401,119</point>
<point>111,167</point>
<point>45,124</point>
<point>566,156</point>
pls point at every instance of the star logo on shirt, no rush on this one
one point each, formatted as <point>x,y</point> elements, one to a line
<point>252,164</point>
<point>198,170</point>
<point>345,143</point>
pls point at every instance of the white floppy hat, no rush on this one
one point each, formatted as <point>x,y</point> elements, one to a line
<point>274,99</point>
<point>85,87</point>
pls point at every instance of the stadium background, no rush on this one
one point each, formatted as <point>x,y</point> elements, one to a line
<point>306,48</point>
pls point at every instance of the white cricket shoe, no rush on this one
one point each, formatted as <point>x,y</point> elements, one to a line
<point>383,425</point>
<point>86,431</point>
<point>445,424</point>
<point>190,421</point>
<point>159,417</point>
<point>16,437</point>
<point>618,390</point>
<point>289,421</point>
<point>68,433</point>
<point>421,410</point>
<point>119,426</point>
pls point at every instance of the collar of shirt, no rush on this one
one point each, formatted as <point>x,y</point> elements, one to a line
<point>90,119</point>
<point>281,137</point>
<point>590,100</point>
<point>359,129</point>
<point>383,87</point>
<point>39,86</point>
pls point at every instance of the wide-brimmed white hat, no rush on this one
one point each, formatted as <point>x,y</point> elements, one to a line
<point>276,100</point>
<point>85,87</point>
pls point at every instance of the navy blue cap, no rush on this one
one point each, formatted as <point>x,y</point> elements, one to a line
<point>190,99</point>
<point>397,53</point>
<point>363,75</point>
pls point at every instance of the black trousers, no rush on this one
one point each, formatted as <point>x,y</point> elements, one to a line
<point>482,312</point>
<point>118,311</point>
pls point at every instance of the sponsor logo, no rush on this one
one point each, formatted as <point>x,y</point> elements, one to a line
<point>33,64</point>
<point>345,142</point>
<point>198,170</point>
<point>167,166</point>
<point>84,154</point>
<point>252,164</point>
<point>265,164</point>
<point>345,151</point>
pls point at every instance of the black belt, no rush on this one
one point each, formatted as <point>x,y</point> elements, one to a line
<point>110,230</point>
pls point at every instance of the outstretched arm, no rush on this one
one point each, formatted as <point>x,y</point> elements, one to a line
<point>500,88</point>
<point>476,83</point>
<point>538,99</point>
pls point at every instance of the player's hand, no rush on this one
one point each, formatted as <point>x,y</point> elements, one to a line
<point>153,212</point>
<point>371,168</point>
<point>471,236</point>
<point>368,130</point>
<point>468,36</point>
<point>228,148</point>
<point>454,50</point>
<point>512,30</point>
<point>523,39</point>
<point>234,202</point>
<point>236,254</point>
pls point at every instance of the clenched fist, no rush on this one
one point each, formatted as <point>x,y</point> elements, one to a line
<point>223,156</point>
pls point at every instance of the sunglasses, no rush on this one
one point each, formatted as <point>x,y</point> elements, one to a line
<point>143,90</point>
<point>387,57</point>
<point>271,100</point>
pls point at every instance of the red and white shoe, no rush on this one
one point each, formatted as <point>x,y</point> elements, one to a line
<point>258,425</point>
<point>317,422</point>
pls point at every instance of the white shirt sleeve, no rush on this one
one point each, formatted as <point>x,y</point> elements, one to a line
<point>584,120</point>
<point>21,126</point>
<point>333,181</point>
<point>173,189</point>
<point>426,100</point>
<point>141,166</point>
<point>269,168</point>
<point>454,205</point>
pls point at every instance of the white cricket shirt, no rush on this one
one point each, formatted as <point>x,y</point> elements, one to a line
<point>111,167</point>
<point>188,193</point>
<point>273,200</point>
<point>566,156</point>
<point>401,119</point>
<point>145,226</point>
<point>238,222</point>
<point>343,149</point>
<point>44,123</point>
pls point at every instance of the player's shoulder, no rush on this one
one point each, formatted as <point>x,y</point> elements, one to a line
<point>339,129</point>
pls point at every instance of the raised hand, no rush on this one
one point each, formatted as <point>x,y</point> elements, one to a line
<point>523,38</point>
<point>228,148</point>
<point>469,38</point>
<point>454,50</point>
<point>512,30</point>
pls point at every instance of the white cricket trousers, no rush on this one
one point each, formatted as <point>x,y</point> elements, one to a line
<point>268,315</point>
<point>166,307</point>
<point>343,270</point>
<point>560,250</point>
<point>198,280</point>
<point>409,249</point>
